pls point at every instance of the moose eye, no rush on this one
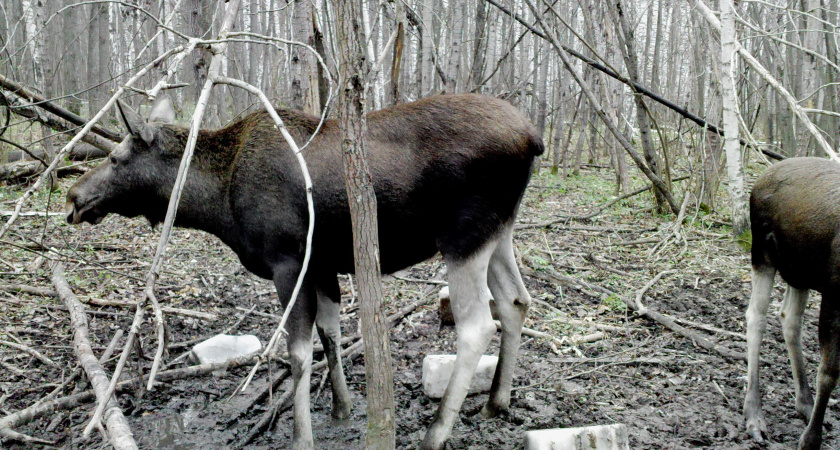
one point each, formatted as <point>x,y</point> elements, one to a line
<point>113,160</point>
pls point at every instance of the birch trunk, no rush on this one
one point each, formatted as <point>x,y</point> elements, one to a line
<point>729,100</point>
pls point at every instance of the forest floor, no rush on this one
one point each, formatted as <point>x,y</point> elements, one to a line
<point>670,392</point>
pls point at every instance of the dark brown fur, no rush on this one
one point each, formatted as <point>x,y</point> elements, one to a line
<point>795,215</point>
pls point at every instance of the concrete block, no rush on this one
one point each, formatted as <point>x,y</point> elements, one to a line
<point>223,347</point>
<point>437,369</point>
<point>599,437</point>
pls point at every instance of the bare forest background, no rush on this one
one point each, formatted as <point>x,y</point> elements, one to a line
<point>74,55</point>
<point>639,92</point>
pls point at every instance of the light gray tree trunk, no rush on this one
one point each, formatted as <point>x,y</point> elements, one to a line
<point>456,38</point>
<point>353,72</point>
<point>304,70</point>
<point>810,73</point>
<point>731,144</point>
<point>428,69</point>
<point>479,58</point>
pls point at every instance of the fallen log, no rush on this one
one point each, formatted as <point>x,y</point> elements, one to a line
<point>29,95</point>
<point>20,170</point>
<point>119,432</point>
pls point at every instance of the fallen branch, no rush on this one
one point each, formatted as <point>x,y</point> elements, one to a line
<point>530,332</point>
<point>28,290</point>
<point>596,325</point>
<point>31,351</point>
<point>711,329</point>
<point>636,87</point>
<point>118,430</point>
<point>669,322</point>
<point>62,126</point>
<point>586,339</point>
<point>210,317</point>
<point>29,95</point>
<point>24,169</point>
<point>40,410</point>
<point>554,277</point>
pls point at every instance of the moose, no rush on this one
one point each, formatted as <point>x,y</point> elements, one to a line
<point>795,215</point>
<point>449,173</point>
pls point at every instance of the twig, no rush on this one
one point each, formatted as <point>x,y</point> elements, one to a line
<point>348,354</point>
<point>592,213</point>
<point>422,281</point>
<point>118,430</point>
<point>129,344</point>
<point>32,213</point>
<point>106,355</point>
<point>310,207</point>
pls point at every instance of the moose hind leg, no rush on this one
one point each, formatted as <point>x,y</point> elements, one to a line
<point>299,326</point>
<point>762,284</point>
<point>793,307</point>
<point>329,330</point>
<point>474,326</point>
<point>829,333</point>
<point>512,302</point>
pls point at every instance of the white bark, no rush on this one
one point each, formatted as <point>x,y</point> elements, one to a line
<point>729,100</point>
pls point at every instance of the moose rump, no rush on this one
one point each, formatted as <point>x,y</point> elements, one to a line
<point>449,173</point>
<point>795,220</point>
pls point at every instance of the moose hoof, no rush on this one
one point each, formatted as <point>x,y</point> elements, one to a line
<point>809,443</point>
<point>490,410</point>
<point>804,408</point>
<point>436,437</point>
<point>341,412</point>
<point>756,429</point>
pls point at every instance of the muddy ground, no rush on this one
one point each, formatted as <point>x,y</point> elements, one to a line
<point>670,392</point>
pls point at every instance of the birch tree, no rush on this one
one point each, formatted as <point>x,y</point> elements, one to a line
<point>731,144</point>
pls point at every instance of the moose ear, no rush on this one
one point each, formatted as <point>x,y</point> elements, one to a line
<point>136,125</point>
<point>131,119</point>
<point>162,110</point>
